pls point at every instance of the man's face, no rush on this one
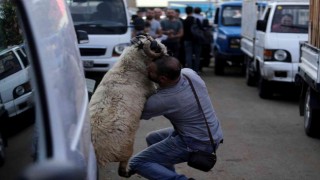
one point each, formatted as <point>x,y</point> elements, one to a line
<point>157,13</point>
<point>152,72</point>
<point>171,14</point>
<point>286,20</point>
<point>150,14</point>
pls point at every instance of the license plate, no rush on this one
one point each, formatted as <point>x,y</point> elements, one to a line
<point>87,64</point>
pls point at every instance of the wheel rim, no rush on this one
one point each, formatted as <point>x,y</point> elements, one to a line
<point>307,110</point>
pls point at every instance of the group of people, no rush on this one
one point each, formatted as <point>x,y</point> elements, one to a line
<point>176,34</point>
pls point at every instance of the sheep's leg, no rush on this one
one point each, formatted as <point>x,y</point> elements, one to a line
<point>122,170</point>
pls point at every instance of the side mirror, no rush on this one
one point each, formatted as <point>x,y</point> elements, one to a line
<point>261,25</point>
<point>82,37</point>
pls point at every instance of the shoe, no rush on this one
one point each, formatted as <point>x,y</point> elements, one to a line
<point>191,179</point>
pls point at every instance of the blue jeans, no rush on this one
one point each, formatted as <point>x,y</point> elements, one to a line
<point>191,49</point>
<point>166,149</point>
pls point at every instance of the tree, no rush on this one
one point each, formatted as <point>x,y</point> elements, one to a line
<point>9,26</point>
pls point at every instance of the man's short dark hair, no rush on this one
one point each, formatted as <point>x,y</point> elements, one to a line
<point>189,9</point>
<point>168,66</point>
<point>197,10</point>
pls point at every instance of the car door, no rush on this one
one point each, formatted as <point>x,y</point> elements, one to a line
<point>62,139</point>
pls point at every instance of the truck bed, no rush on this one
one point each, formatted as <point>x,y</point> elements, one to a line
<point>309,65</point>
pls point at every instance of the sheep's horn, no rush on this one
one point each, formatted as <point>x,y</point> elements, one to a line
<point>154,49</point>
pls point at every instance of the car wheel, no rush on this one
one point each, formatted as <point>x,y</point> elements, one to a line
<point>264,89</point>
<point>250,77</point>
<point>2,153</point>
<point>311,126</point>
<point>219,64</point>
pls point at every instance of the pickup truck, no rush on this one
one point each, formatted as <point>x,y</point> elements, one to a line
<point>309,75</point>
<point>270,43</point>
<point>226,45</point>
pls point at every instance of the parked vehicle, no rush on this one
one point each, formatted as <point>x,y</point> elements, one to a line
<point>15,88</point>
<point>227,27</point>
<point>107,23</point>
<point>272,47</point>
<point>63,147</point>
<point>309,75</point>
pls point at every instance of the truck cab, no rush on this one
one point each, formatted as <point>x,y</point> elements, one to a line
<point>108,26</point>
<point>227,28</point>
<point>276,46</point>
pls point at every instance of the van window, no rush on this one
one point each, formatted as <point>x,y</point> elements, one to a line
<point>290,19</point>
<point>231,16</point>
<point>23,58</point>
<point>99,16</point>
<point>9,64</point>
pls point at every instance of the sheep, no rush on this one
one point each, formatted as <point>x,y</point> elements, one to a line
<point>117,103</point>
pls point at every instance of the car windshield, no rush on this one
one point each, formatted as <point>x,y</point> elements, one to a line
<point>290,19</point>
<point>9,64</point>
<point>231,16</point>
<point>99,16</point>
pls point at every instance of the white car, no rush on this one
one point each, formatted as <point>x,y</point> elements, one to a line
<point>15,88</point>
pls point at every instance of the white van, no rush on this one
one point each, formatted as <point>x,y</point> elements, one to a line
<point>15,87</point>
<point>272,55</point>
<point>108,26</point>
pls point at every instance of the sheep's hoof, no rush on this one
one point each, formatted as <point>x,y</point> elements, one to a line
<point>124,173</point>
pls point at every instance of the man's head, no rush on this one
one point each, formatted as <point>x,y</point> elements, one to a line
<point>197,10</point>
<point>189,10</point>
<point>171,14</point>
<point>287,20</point>
<point>150,14</point>
<point>157,13</point>
<point>165,71</point>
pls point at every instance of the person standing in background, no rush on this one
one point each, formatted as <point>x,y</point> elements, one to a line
<point>155,26</point>
<point>191,46</point>
<point>173,28</point>
<point>181,50</point>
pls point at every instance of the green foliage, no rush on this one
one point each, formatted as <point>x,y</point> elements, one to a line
<point>9,27</point>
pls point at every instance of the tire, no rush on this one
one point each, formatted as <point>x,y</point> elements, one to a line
<point>264,89</point>
<point>2,151</point>
<point>311,114</point>
<point>219,64</point>
<point>251,79</point>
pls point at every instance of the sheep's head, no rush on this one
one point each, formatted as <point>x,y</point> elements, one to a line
<point>151,47</point>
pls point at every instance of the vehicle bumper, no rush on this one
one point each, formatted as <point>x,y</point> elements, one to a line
<point>99,65</point>
<point>234,59</point>
<point>278,71</point>
<point>19,104</point>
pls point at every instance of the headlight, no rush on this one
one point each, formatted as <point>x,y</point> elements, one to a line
<point>21,89</point>
<point>280,55</point>
<point>118,49</point>
<point>276,55</point>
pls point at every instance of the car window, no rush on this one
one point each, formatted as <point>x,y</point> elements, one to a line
<point>9,64</point>
<point>231,16</point>
<point>290,19</point>
<point>23,57</point>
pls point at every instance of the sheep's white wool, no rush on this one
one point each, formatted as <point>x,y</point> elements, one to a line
<point>116,105</point>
